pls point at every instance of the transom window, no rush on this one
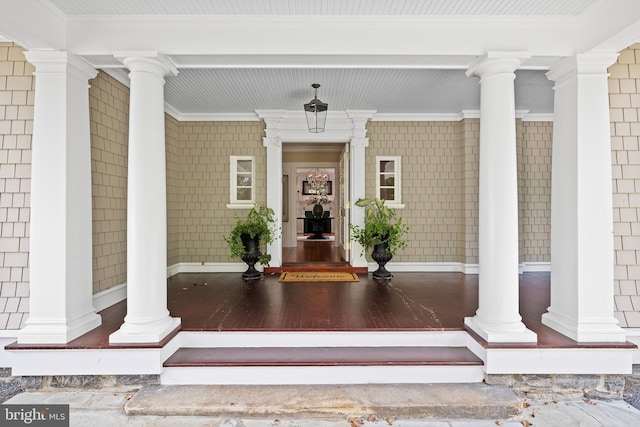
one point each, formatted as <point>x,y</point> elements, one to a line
<point>389,180</point>
<point>242,182</point>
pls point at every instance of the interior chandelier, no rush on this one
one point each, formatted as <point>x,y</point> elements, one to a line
<point>317,179</point>
<point>316,112</point>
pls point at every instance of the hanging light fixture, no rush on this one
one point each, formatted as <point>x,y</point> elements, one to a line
<point>317,179</point>
<point>316,112</point>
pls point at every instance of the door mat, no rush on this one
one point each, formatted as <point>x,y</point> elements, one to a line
<point>313,276</point>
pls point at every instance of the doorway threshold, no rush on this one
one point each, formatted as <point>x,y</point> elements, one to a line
<point>316,266</point>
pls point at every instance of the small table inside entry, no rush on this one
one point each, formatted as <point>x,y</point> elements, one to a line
<point>318,226</point>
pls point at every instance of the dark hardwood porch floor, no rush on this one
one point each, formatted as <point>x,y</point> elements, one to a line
<point>411,301</point>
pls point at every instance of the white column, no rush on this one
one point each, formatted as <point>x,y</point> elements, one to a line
<point>497,318</point>
<point>582,261</point>
<point>273,144</point>
<point>147,318</point>
<point>359,143</point>
<point>61,271</point>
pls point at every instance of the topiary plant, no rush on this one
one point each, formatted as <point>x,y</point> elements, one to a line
<point>258,223</point>
<point>381,225</point>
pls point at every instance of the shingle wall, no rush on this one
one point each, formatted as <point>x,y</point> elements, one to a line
<point>175,193</point>
<point>440,186</point>
<point>624,102</point>
<point>534,192</point>
<point>16,123</point>
<point>471,141</point>
<point>109,116</point>
<point>204,216</point>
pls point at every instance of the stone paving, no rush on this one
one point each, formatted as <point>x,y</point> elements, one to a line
<point>104,408</point>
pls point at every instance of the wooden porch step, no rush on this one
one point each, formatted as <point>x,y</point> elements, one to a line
<point>337,267</point>
<point>322,356</point>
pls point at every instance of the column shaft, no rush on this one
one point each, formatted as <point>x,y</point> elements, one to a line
<point>581,203</point>
<point>61,306</point>
<point>498,318</point>
<point>357,157</point>
<point>273,144</point>
<point>147,318</point>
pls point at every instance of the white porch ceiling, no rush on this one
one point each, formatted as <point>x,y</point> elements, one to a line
<point>389,91</point>
<point>398,57</point>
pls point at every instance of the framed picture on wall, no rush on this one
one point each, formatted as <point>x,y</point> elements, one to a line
<point>308,191</point>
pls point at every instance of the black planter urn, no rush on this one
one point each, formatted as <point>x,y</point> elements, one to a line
<point>382,256</point>
<point>252,249</point>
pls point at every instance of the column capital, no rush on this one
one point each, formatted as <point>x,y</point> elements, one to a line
<point>359,119</point>
<point>497,62</point>
<point>361,114</point>
<point>272,119</point>
<point>57,61</point>
<point>360,142</point>
<point>147,61</point>
<point>271,141</point>
<point>583,63</point>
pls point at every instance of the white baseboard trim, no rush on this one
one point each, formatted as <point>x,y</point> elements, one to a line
<point>426,267</point>
<point>108,297</point>
<point>530,267</point>
<point>208,267</point>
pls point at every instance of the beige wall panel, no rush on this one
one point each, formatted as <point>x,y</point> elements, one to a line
<point>109,116</point>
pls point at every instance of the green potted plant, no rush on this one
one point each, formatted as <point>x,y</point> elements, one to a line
<point>250,235</point>
<point>383,231</point>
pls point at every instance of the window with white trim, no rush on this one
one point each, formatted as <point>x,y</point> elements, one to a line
<point>242,182</point>
<point>389,180</point>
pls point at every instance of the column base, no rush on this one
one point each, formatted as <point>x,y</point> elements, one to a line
<point>53,331</point>
<point>501,333</point>
<point>152,332</point>
<point>585,330</point>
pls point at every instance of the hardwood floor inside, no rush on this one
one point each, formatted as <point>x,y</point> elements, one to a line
<point>312,251</point>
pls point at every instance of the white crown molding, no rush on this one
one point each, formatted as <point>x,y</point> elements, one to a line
<point>213,117</point>
<point>471,114</point>
<point>304,148</point>
<point>120,74</point>
<point>418,117</point>
<point>295,119</point>
<point>538,117</point>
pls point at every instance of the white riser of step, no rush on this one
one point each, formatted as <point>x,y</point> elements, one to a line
<point>323,339</point>
<point>310,375</point>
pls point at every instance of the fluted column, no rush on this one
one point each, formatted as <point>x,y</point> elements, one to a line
<point>497,318</point>
<point>61,271</point>
<point>582,305</point>
<point>147,318</point>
